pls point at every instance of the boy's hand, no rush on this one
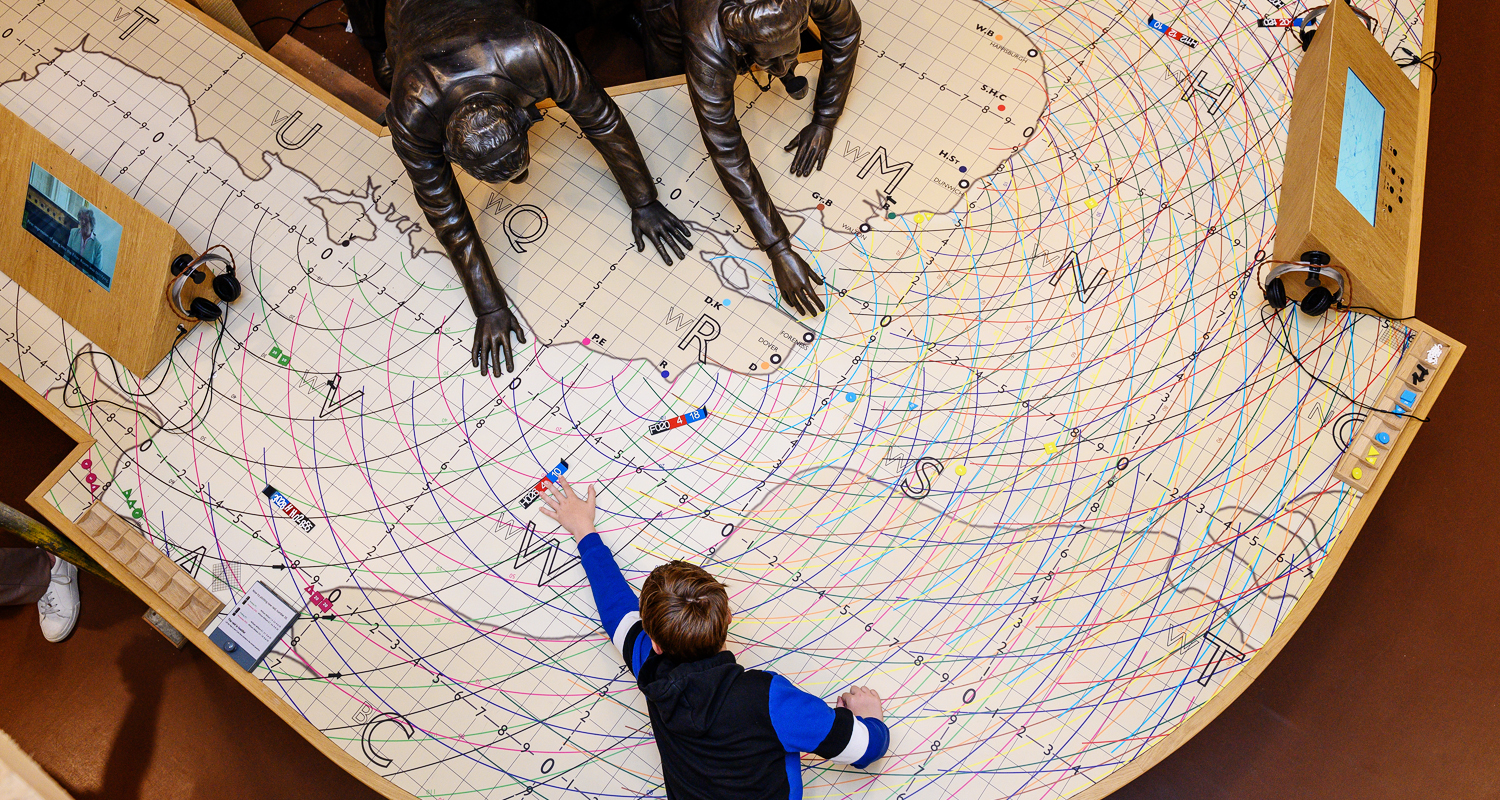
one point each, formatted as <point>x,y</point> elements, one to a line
<point>863,701</point>
<point>574,513</point>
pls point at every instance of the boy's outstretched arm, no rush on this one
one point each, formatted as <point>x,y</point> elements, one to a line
<point>619,609</point>
<point>853,733</point>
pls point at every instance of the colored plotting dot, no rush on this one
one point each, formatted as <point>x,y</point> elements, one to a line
<point>587,341</point>
<point>963,169</point>
<point>665,374</point>
<point>890,215</point>
<point>960,470</point>
<point>820,206</point>
<point>850,396</point>
<point>1000,107</point>
<point>765,365</point>
<point>726,302</point>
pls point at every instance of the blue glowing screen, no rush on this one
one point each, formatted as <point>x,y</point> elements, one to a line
<point>1359,147</point>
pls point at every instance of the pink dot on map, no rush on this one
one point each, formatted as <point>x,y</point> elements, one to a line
<point>587,341</point>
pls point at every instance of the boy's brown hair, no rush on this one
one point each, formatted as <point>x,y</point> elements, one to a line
<point>685,611</point>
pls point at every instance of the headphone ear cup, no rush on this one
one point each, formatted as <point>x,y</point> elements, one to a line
<point>1317,301</point>
<point>227,287</point>
<point>1276,294</point>
<point>204,310</point>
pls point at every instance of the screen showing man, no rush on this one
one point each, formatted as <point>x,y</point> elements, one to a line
<point>74,228</point>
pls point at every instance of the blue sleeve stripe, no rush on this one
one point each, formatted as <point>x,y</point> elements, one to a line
<point>880,739</point>
<point>637,648</point>
<point>794,776</point>
<point>802,721</point>
<point>613,596</point>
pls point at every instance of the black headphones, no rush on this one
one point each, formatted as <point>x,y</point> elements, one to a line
<point>1305,26</point>
<point>1319,298</point>
<point>225,285</point>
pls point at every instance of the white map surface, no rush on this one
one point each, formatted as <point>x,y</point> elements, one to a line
<point>1043,475</point>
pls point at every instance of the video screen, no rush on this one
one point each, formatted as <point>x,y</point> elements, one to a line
<point>76,230</point>
<point>1359,147</point>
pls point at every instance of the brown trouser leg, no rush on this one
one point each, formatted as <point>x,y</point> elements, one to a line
<point>663,37</point>
<point>25,573</point>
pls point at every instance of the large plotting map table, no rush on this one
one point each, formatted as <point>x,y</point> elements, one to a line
<point>1047,475</point>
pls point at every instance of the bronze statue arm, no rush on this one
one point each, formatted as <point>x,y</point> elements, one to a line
<point>839,27</point>
<point>711,87</point>
<point>598,117</point>
<point>439,197</point>
<point>838,24</point>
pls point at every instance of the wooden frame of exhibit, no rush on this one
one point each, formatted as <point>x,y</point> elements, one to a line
<point>1313,214</point>
<point>131,320</point>
<point>1124,774</point>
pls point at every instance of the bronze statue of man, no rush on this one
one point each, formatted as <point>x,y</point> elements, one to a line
<point>717,40</point>
<point>465,77</point>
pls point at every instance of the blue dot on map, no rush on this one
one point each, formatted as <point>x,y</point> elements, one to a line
<point>963,169</point>
<point>726,302</point>
<point>665,374</point>
<point>850,396</point>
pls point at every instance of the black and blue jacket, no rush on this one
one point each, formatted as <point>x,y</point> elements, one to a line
<point>724,732</point>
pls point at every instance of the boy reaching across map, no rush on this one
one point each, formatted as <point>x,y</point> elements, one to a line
<point>723,731</point>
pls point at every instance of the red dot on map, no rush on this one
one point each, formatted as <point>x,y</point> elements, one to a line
<point>1000,107</point>
<point>820,206</point>
<point>587,341</point>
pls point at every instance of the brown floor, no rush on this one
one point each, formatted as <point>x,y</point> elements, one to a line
<point>1391,689</point>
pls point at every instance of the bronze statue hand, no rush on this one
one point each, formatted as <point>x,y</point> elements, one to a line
<point>492,337</point>
<point>795,279</point>
<point>653,221</point>
<point>812,147</point>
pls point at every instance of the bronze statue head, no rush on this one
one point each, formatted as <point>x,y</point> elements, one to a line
<point>768,33</point>
<point>487,139</point>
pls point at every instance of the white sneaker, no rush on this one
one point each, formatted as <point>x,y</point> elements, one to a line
<point>59,606</point>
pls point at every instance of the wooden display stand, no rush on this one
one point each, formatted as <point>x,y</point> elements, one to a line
<point>131,320</point>
<point>1313,213</point>
<point>169,584</point>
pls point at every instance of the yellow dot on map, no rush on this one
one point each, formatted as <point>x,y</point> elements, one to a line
<point>960,469</point>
